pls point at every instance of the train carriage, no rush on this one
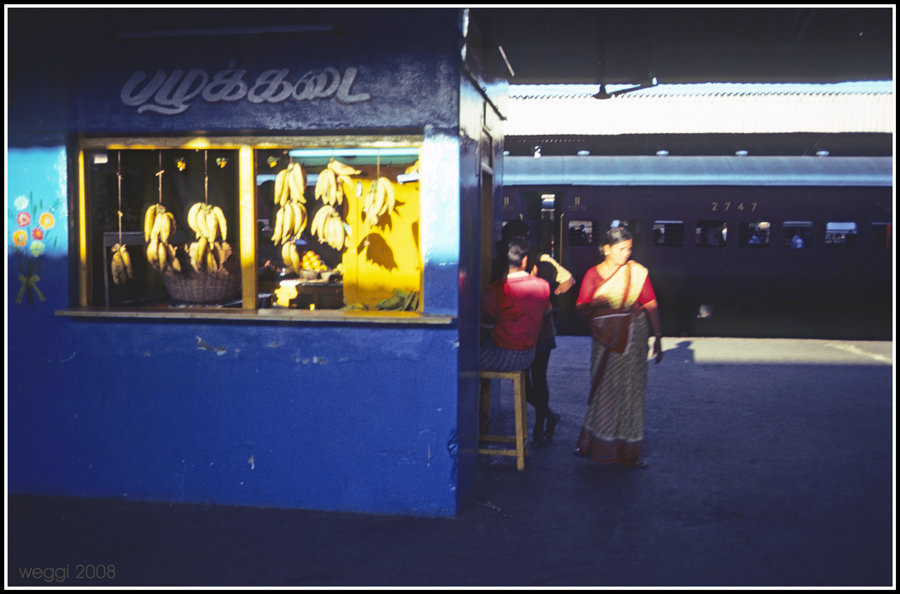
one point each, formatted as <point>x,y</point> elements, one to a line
<point>737,246</point>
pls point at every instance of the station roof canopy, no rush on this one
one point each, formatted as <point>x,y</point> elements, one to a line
<point>703,108</point>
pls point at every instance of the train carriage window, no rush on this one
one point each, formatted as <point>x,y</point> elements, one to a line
<point>840,234</point>
<point>796,235</point>
<point>668,233</point>
<point>754,233</point>
<point>880,236</point>
<point>711,233</point>
<point>581,232</point>
<point>633,225</point>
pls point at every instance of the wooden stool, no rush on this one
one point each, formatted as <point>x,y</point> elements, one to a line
<point>521,416</point>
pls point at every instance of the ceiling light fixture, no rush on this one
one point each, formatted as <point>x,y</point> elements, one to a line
<point>603,94</point>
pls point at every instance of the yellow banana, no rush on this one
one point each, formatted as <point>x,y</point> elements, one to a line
<point>211,264</point>
<point>168,226</point>
<point>342,168</point>
<point>317,228</point>
<point>163,229</point>
<point>347,186</point>
<point>285,255</point>
<point>321,183</point>
<point>202,252</point>
<point>202,222</point>
<point>149,220</point>
<point>387,188</point>
<point>162,255</point>
<point>280,185</point>
<point>333,195</point>
<point>326,187</point>
<point>192,217</point>
<point>192,253</point>
<point>279,226</point>
<point>295,184</point>
<point>223,224</point>
<point>153,252</point>
<point>300,176</point>
<point>296,260</point>
<point>299,218</point>
<point>172,258</point>
<point>126,260</point>
<point>287,226</point>
<point>117,267</point>
<point>212,223</point>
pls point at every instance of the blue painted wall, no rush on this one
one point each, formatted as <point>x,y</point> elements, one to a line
<point>350,417</point>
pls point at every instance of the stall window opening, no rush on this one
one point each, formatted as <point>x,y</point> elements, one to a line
<point>140,202</point>
<point>333,228</point>
<point>797,235</point>
<point>840,234</point>
<point>754,234</point>
<point>668,233</point>
<point>711,233</point>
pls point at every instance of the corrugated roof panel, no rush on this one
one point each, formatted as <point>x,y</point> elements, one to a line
<point>865,87</point>
<point>702,171</point>
<point>703,114</point>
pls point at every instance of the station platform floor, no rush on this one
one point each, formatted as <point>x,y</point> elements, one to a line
<point>771,464</point>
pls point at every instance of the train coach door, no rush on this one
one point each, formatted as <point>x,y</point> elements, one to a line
<point>577,240</point>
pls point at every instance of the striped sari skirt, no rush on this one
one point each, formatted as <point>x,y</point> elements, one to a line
<point>613,429</point>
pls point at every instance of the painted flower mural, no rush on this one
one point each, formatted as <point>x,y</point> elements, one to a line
<point>31,238</point>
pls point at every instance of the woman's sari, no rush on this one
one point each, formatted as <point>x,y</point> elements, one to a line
<point>613,429</point>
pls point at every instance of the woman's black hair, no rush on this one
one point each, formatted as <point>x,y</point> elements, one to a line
<point>617,234</point>
<point>517,250</point>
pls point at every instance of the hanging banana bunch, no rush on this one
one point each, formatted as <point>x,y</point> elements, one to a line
<point>210,251</point>
<point>332,186</point>
<point>378,200</point>
<point>121,264</point>
<point>328,227</point>
<point>159,224</point>
<point>334,183</point>
<point>291,218</point>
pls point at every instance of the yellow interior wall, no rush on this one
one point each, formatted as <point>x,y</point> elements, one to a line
<point>391,259</point>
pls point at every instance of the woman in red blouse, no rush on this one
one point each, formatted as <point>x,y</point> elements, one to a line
<point>617,298</point>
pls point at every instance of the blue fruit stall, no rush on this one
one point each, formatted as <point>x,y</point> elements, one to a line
<point>245,250</point>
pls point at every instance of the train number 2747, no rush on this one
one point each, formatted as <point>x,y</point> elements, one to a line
<point>726,206</point>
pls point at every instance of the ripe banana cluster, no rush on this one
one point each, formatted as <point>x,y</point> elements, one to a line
<point>290,221</point>
<point>121,264</point>
<point>209,252</point>
<point>328,227</point>
<point>159,224</point>
<point>208,221</point>
<point>291,218</point>
<point>290,184</point>
<point>334,182</point>
<point>208,256</point>
<point>378,200</point>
